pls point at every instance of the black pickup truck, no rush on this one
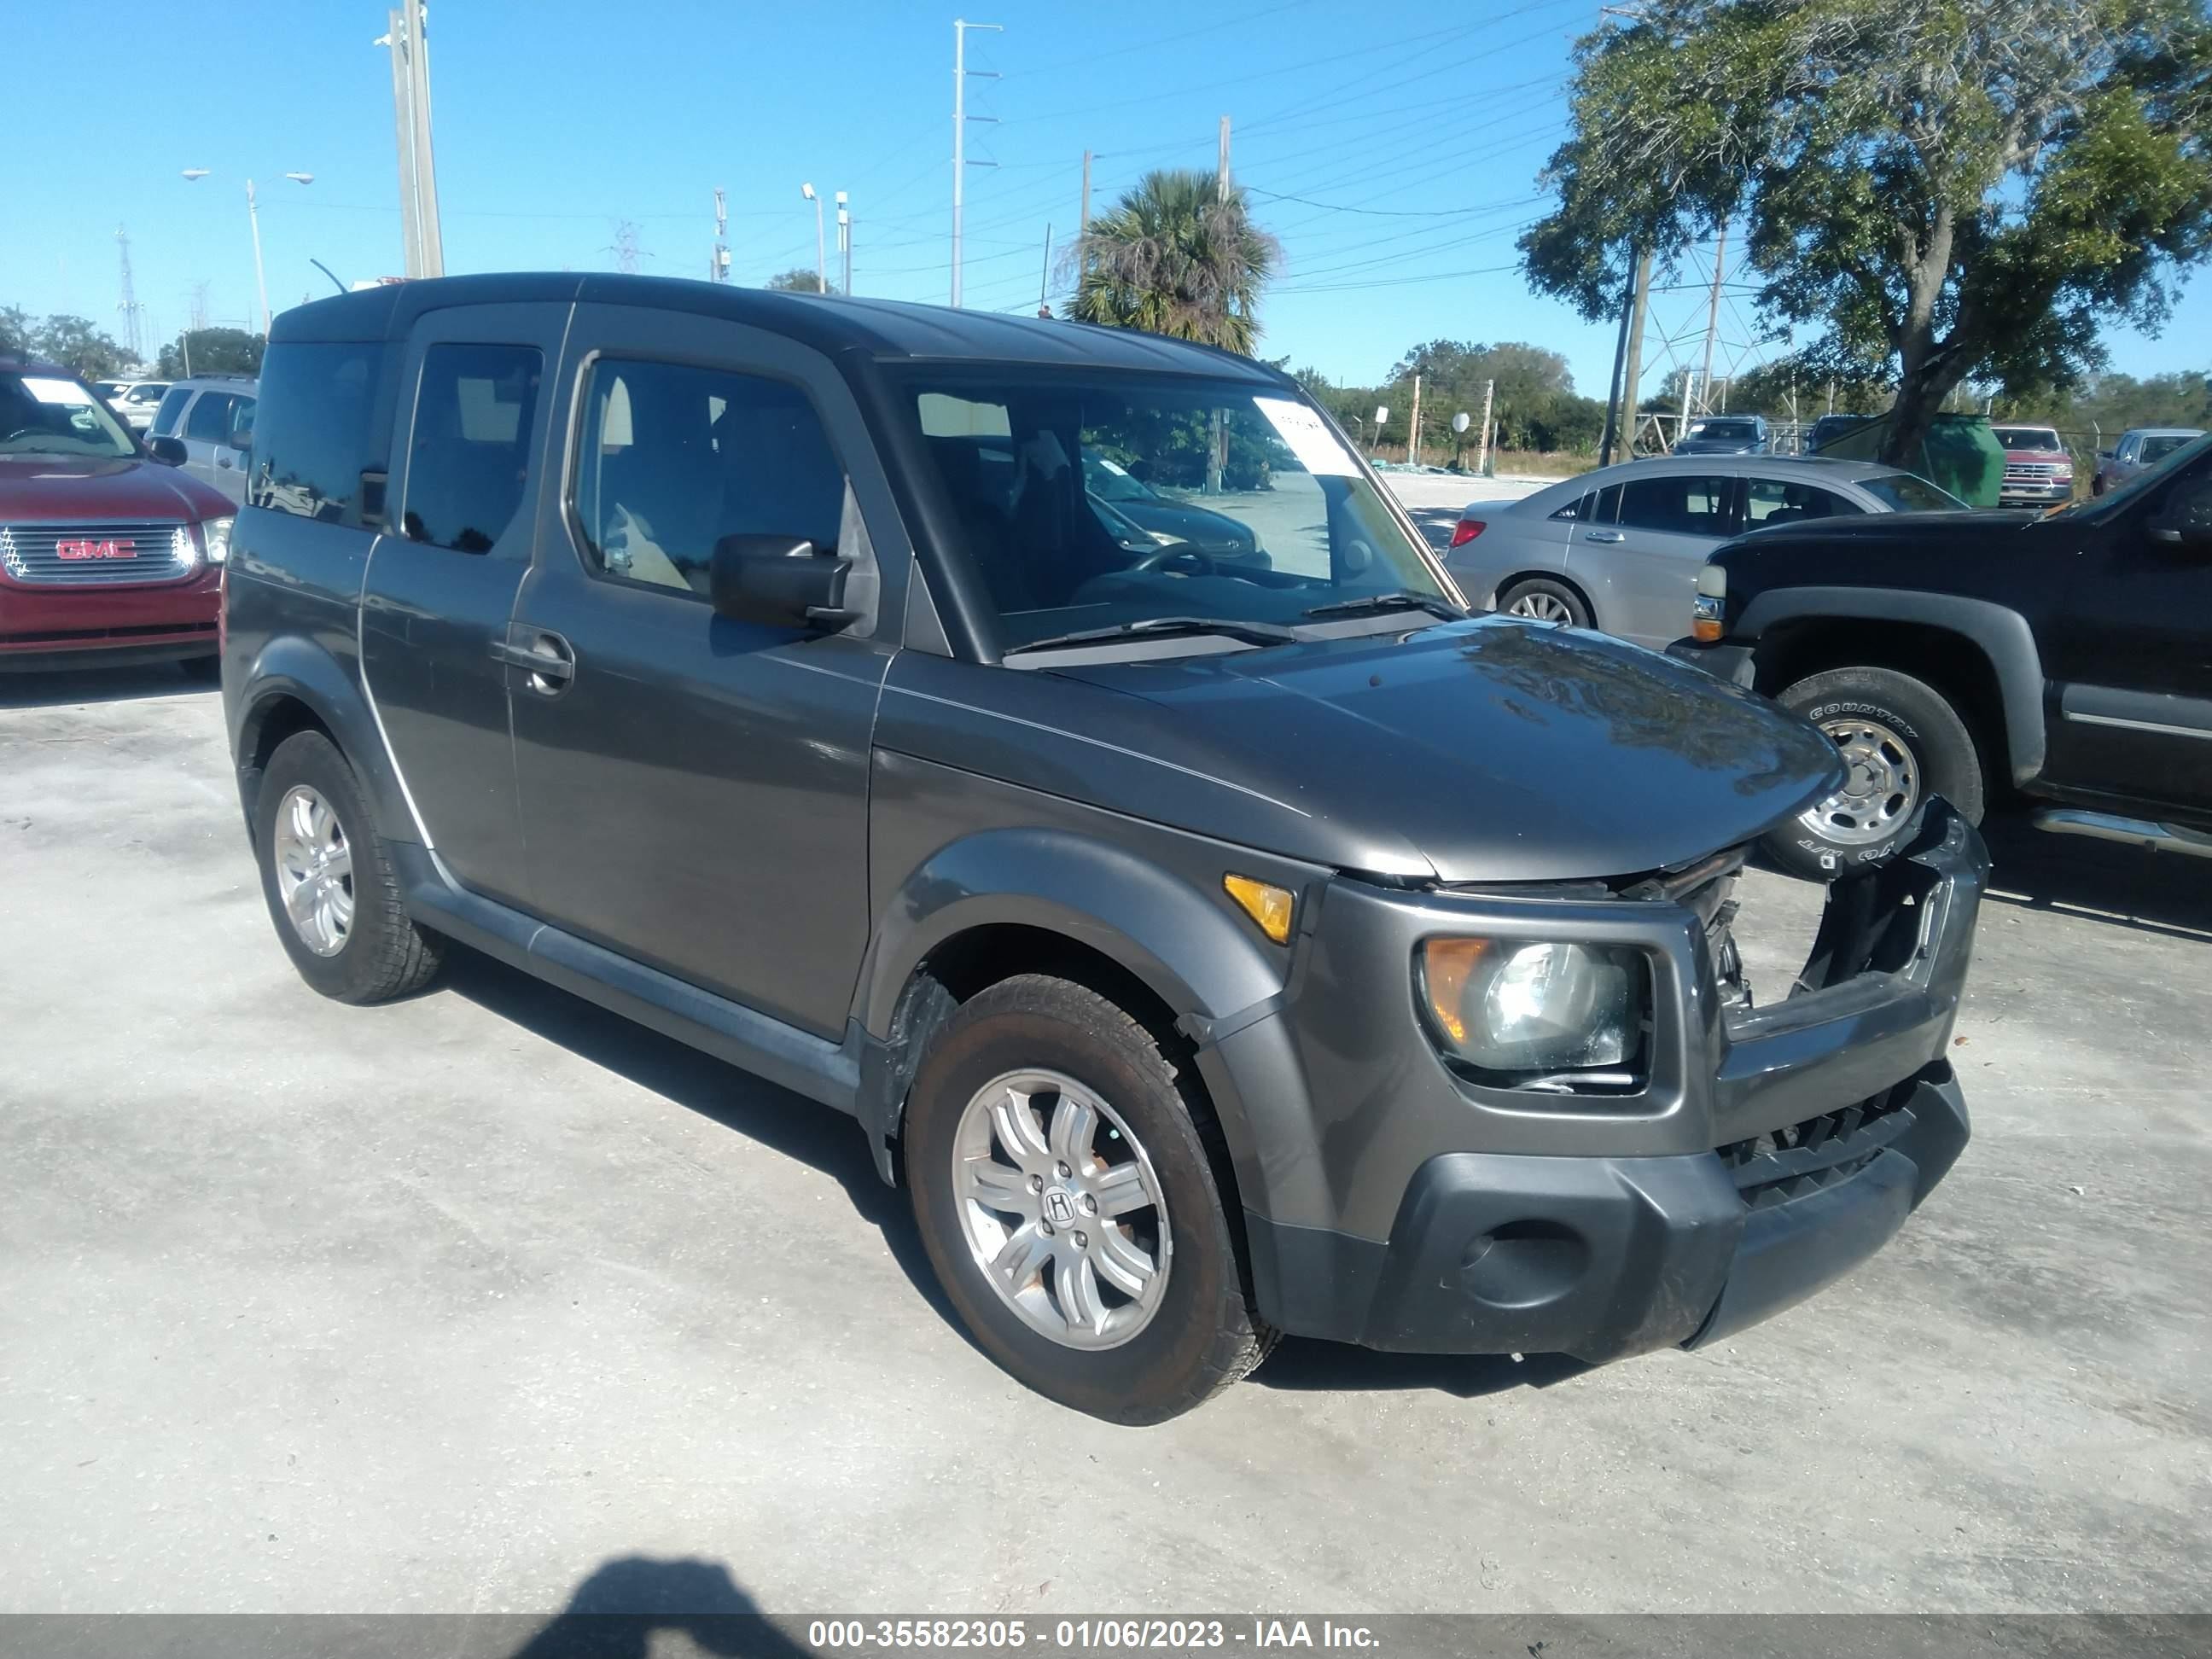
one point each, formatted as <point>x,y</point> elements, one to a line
<point>2068,656</point>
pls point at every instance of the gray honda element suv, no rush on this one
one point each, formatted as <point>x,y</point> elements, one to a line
<point>1214,947</point>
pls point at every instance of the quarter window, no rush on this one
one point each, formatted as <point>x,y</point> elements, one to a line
<point>1683,505</point>
<point>210,417</point>
<point>470,455</point>
<point>171,410</point>
<point>673,458</point>
<point>1779,500</point>
<point>309,454</point>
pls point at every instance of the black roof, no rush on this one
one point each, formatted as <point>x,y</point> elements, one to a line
<point>830,323</point>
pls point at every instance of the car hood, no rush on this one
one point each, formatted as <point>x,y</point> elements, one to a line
<point>1480,751</point>
<point>78,489</point>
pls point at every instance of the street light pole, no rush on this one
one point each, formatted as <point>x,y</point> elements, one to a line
<point>845,240</point>
<point>193,175</point>
<point>821,265</point>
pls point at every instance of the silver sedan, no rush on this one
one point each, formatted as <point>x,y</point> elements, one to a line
<point>1619,549</point>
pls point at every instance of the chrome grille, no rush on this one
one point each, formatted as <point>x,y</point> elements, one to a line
<point>113,555</point>
<point>2030,471</point>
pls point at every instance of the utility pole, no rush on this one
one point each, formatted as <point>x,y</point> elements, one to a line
<point>1221,168</point>
<point>821,264</point>
<point>1613,383</point>
<point>1482,453</point>
<point>261,281</point>
<point>1044,276</point>
<point>1084,228</point>
<point>960,119</point>
<point>133,335</point>
<point>845,238</point>
<point>1413,428</point>
<point>407,36</point>
<point>718,265</point>
<point>1633,374</point>
<point>1713,317</point>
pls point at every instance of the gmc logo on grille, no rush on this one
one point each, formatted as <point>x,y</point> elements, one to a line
<point>122,548</point>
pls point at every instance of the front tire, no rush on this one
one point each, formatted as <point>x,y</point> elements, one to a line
<point>1541,600</point>
<point>1058,1161</point>
<point>328,879</point>
<point>1901,741</point>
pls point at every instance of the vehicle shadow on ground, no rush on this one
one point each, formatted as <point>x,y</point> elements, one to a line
<point>34,689</point>
<point>1303,1365</point>
<point>2130,887</point>
<point>630,1604</point>
<point>775,1117</point>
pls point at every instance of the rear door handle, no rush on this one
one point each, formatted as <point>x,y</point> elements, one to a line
<point>548,661</point>
<point>1603,536</point>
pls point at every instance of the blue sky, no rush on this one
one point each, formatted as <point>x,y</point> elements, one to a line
<point>1393,150</point>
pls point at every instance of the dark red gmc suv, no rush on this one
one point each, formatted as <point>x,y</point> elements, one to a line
<point>105,553</point>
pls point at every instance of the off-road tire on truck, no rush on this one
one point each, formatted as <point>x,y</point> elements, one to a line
<point>1201,1334</point>
<point>1903,742</point>
<point>382,954</point>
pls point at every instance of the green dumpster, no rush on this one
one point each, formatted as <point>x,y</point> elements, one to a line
<point>1959,453</point>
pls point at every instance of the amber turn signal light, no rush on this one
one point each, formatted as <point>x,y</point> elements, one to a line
<point>1269,905</point>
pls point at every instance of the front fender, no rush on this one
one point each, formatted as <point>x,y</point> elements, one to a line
<point>1209,967</point>
<point>2002,635</point>
<point>296,667</point>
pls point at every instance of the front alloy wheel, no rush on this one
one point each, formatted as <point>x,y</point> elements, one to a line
<point>1881,783</point>
<point>1061,1210</point>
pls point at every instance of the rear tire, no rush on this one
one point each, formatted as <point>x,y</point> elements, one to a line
<point>328,880</point>
<point>1902,742</point>
<point>1060,1208</point>
<point>1541,600</point>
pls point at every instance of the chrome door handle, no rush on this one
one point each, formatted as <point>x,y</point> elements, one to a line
<point>1603,536</point>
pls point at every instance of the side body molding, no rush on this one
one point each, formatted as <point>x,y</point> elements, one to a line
<point>2002,635</point>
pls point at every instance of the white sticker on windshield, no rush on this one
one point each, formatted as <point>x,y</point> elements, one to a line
<point>1310,441</point>
<point>46,391</point>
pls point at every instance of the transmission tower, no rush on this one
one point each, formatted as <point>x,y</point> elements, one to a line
<point>199,306</point>
<point>133,312</point>
<point>624,247</point>
<point>718,265</point>
<point>1696,340</point>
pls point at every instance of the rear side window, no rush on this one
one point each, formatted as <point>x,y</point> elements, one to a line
<point>1779,500</point>
<point>1683,505</point>
<point>210,417</point>
<point>1904,492</point>
<point>470,451</point>
<point>316,441</point>
<point>671,459</point>
<point>172,407</point>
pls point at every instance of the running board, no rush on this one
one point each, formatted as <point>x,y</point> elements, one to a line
<point>2134,832</point>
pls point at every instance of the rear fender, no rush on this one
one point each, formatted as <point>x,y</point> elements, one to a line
<point>294,667</point>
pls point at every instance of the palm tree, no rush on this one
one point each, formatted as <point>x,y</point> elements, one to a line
<point>1177,257</point>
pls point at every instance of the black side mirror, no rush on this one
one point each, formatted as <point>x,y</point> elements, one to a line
<point>779,581</point>
<point>2186,521</point>
<point>170,452</point>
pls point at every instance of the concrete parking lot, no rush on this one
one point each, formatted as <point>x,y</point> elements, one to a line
<point>445,1305</point>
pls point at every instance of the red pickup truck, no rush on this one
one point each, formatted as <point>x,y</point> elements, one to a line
<point>105,553</point>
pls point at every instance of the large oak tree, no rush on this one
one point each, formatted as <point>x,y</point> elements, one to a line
<point>1934,189</point>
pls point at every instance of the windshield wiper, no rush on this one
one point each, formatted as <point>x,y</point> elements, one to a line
<point>1403,599</point>
<point>1253,633</point>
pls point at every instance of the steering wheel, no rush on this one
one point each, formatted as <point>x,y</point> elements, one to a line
<point>1177,553</point>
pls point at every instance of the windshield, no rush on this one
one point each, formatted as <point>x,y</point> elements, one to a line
<point>1248,507</point>
<point>1901,492</point>
<point>1734,431</point>
<point>2028,437</point>
<point>54,415</point>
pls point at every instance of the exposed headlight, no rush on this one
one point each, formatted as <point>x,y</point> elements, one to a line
<point>183,549</point>
<point>1521,1012</point>
<point>215,533</point>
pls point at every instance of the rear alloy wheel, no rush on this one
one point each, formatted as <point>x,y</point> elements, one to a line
<point>329,882</point>
<point>1063,1169</point>
<point>1541,601</point>
<point>1900,742</point>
